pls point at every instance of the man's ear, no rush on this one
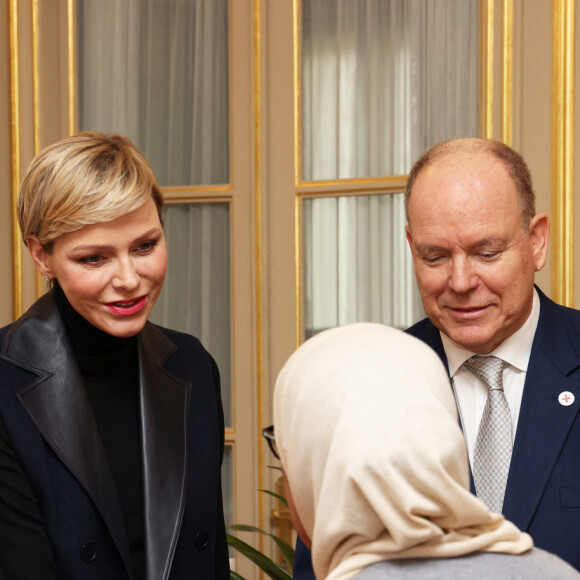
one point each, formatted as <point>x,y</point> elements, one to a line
<point>409,237</point>
<point>410,241</point>
<point>539,233</point>
<point>40,256</point>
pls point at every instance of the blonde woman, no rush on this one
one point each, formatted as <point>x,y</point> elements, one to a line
<point>113,427</point>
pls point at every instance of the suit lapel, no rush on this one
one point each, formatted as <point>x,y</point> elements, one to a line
<point>58,405</point>
<point>543,426</point>
<point>164,410</point>
<point>544,423</point>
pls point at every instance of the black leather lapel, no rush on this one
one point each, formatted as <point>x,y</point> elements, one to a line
<point>58,404</point>
<point>164,411</point>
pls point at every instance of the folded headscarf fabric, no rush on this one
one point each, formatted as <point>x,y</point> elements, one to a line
<point>368,435</point>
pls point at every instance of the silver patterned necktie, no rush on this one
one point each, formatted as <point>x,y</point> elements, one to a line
<point>493,448</point>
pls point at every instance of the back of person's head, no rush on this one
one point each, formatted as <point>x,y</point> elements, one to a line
<point>81,180</point>
<point>512,161</point>
<point>367,430</point>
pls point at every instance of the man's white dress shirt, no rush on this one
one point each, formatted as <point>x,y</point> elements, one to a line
<point>471,393</point>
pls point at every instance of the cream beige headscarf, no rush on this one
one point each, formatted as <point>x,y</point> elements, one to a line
<point>367,430</point>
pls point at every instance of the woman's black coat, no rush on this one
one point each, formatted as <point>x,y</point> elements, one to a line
<point>48,416</point>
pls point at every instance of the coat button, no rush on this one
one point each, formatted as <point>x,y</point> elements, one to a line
<point>201,540</point>
<point>88,552</point>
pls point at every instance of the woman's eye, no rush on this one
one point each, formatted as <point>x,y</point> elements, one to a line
<point>95,259</point>
<point>146,246</point>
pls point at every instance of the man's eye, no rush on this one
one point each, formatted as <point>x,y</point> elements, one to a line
<point>433,259</point>
<point>488,255</point>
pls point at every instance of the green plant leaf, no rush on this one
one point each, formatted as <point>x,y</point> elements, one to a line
<point>276,467</point>
<point>263,562</point>
<point>235,576</point>
<point>286,549</point>
<point>276,495</point>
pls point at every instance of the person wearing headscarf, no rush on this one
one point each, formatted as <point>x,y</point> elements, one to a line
<point>376,468</point>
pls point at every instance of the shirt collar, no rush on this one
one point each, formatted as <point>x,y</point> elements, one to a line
<point>515,349</point>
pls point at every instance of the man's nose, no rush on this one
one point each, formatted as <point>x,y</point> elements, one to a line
<point>463,276</point>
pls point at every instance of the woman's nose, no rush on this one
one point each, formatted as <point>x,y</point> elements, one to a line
<point>126,276</point>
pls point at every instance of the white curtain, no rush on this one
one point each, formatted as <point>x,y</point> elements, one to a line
<point>382,81</point>
<point>157,71</point>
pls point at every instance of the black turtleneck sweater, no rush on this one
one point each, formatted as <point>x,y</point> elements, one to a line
<point>110,369</point>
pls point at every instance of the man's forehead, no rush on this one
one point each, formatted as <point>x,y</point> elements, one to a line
<point>432,241</point>
<point>466,159</point>
<point>465,175</point>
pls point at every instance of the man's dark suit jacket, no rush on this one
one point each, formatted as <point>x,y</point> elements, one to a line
<point>48,416</point>
<point>543,489</point>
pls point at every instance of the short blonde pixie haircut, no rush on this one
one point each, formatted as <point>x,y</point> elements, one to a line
<point>84,179</point>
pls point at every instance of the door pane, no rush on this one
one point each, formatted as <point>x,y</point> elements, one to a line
<point>157,72</point>
<point>357,264</point>
<point>383,80</point>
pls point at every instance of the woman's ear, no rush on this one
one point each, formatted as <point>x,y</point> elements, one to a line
<point>40,256</point>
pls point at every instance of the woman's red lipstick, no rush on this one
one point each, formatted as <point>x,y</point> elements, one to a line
<point>127,307</point>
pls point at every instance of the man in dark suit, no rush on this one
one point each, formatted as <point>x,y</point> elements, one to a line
<point>476,243</point>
